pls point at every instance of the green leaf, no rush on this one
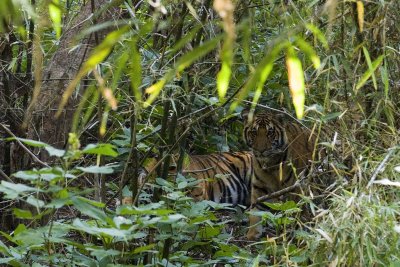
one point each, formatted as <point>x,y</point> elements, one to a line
<point>23,214</point>
<point>369,72</point>
<point>100,149</point>
<point>385,79</point>
<point>91,229</point>
<point>182,63</point>
<point>12,190</point>
<point>309,51</point>
<point>97,169</point>
<point>368,59</point>
<point>288,205</point>
<point>261,73</point>
<point>55,151</point>
<point>86,208</point>
<point>29,142</point>
<point>317,33</point>
<point>135,70</point>
<point>296,81</point>
<point>56,16</point>
<point>35,202</point>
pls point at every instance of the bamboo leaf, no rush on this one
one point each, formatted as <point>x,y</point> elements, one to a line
<point>55,14</point>
<point>317,32</point>
<point>369,72</point>
<point>309,51</point>
<point>185,61</point>
<point>261,73</point>
<point>98,54</point>
<point>368,59</point>
<point>296,81</point>
<point>360,15</point>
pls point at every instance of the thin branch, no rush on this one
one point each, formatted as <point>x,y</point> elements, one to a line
<point>279,193</point>
<point>5,176</point>
<point>33,156</point>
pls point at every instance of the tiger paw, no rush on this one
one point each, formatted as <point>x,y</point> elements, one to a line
<point>254,233</point>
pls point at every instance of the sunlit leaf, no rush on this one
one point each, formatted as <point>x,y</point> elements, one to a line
<point>368,60</point>
<point>55,14</point>
<point>317,33</point>
<point>309,51</point>
<point>185,61</point>
<point>98,54</point>
<point>97,169</point>
<point>296,81</point>
<point>223,78</point>
<point>360,15</point>
<point>100,149</point>
<point>364,78</point>
<point>261,73</point>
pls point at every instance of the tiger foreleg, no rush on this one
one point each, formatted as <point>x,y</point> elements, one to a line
<point>255,228</point>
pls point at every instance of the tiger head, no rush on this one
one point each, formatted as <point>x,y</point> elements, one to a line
<point>265,135</point>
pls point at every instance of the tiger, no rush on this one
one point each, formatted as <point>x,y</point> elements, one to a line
<point>222,177</point>
<point>282,150</point>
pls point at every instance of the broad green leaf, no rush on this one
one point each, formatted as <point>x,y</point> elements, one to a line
<point>12,190</point>
<point>364,78</point>
<point>296,81</point>
<point>288,205</point>
<point>56,16</point>
<point>100,149</point>
<point>35,201</point>
<point>55,151</point>
<point>91,229</point>
<point>97,169</point>
<point>88,209</point>
<point>23,214</point>
<point>29,142</point>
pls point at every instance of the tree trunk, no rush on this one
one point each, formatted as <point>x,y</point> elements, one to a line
<point>60,70</point>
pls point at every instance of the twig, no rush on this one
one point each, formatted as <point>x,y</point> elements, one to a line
<point>381,166</point>
<point>5,176</point>
<point>280,192</point>
<point>33,156</point>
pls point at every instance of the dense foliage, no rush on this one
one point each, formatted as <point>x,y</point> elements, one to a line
<point>133,80</point>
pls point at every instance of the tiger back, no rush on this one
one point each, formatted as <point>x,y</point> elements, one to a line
<point>282,151</point>
<point>222,177</point>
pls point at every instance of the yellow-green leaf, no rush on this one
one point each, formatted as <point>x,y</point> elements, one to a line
<point>98,54</point>
<point>296,81</point>
<point>55,14</point>
<point>261,73</point>
<point>185,61</point>
<point>369,63</point>
<point>309,51</point>
<point>369,72</point>
<point>360,15</point>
